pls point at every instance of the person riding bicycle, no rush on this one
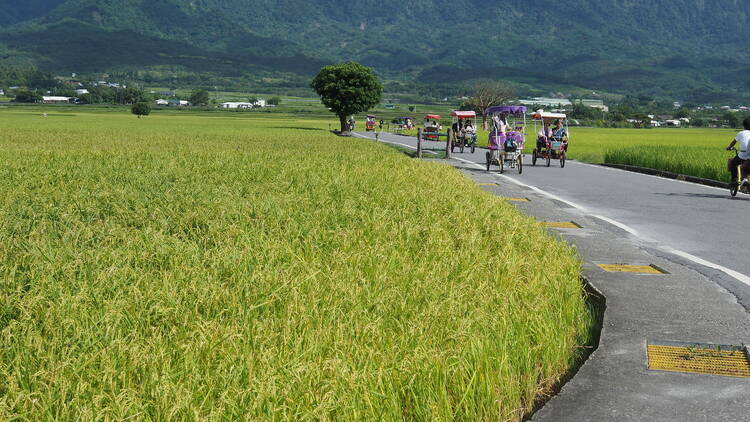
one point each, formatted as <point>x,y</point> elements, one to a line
<point>743,156</point>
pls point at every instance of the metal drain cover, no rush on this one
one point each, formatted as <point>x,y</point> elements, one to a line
<point>562,225</point>
<point>635,269</point>
<point>699,358</point>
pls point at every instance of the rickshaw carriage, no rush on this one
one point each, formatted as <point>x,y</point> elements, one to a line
<point>506,143</point>
<point>464,126</point>
<point>552,138</point>
<point>402,123</point>
<point>370,123</point>
<point>432,127</point>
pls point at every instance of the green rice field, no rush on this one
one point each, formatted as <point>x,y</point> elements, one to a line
<point>253,267</point>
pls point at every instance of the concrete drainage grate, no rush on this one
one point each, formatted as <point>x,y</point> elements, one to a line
<point>634,269</point>
<point>697,358</point>
<point>562,225</point>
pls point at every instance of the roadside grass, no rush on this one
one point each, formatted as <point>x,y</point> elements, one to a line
<point>184,267</point>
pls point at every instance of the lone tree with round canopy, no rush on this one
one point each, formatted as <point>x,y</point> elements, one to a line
<point>347,89</point>
<point>141,109</point>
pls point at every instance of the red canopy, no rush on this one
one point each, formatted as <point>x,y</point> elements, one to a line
<point>432,116</point>
<point>464,114</point>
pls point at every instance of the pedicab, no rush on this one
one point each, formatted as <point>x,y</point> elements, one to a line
<point>506,142</point>
<point>402,123</point>
<point>370,123</point>
<point>432,127</point>
<point>464,126</point>
<point>552,137</point>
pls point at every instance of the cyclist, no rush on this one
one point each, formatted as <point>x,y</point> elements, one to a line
<point>743,157</point>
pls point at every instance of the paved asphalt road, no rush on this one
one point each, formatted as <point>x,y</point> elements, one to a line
<point>698,226</point>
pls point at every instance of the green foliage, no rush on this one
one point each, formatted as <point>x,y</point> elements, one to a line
<point>28,96</point>
<point>141,109</point>
<point>603,45</point>
<point>731,119</point>
<point>199,98</point>
<point>195,269</point>
<point>347,89</point>
<point>274,101</point>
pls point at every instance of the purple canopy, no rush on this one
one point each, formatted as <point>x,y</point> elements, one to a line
<point>505,109</point>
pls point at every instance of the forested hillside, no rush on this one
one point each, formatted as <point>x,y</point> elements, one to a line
<point>688,48</point>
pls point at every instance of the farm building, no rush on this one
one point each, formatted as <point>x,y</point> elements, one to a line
<point>162,102</point>
<point>233,105</point>
<point>59,100</point>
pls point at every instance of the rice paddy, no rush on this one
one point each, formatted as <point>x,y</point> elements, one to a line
<point>241,267</point>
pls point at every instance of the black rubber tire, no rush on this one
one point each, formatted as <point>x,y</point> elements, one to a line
<point>473,148</point>
<point>463,145</point>
<point>533,158</point>
<point>733,188</point>
<point>501,162</point>
<point>520,164</point>
<point>562,160</point>
<point>488,156</point>
<point>549,158</point>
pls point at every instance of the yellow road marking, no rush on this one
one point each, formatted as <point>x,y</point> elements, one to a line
<point>517,199</point>
<point>561,225</point>
<point>488,184</point>
<point>636,269</point>
<point>700,359</point>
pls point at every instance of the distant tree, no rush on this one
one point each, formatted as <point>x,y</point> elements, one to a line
<point>28,96</point>
<point>253,100</point>
<point>132,95</point>
<point>486,94</point>
<point>274,101</point>
<point>347,89</point>
<point>412,108</point>
<point>682,113</point>
<point>731,119</point>
<point>580,111</point>
<point>698,122</point>
<point>642,121</point>
<point>141,109</point>
<point>199,98</point>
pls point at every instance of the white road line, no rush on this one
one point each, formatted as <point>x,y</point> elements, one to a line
<point>739,276</point>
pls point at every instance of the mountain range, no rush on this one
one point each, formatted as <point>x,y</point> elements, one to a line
<point>692,50</point>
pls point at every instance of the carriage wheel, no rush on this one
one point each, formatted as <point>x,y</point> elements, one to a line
<point>520,163</point>
<point>488,155</point>
<point>549,158</point>
<point>533,158</point>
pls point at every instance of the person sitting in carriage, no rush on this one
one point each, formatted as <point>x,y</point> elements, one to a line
<point>559,133</point>
<point>544,134</point>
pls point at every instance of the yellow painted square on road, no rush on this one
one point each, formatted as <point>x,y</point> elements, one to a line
<point>635,269</point>
<point>561,225</point>
<point>729,361</point>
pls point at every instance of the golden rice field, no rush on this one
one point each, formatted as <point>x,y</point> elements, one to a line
<point>241,267</point>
